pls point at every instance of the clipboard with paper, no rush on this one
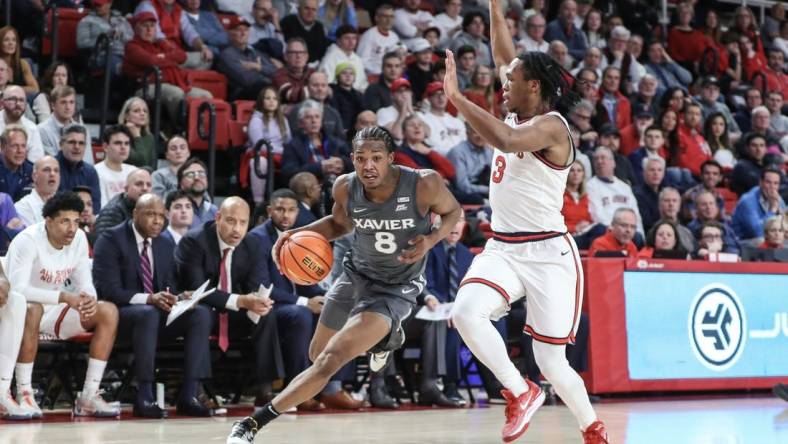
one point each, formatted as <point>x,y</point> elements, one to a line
<point>185,305</point>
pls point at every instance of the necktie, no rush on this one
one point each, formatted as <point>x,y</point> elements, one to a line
<point>453,275</point>
<point>147,273</point>
<point>224,339</point>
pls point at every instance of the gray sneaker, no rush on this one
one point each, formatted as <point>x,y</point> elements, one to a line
<point>96,406</point>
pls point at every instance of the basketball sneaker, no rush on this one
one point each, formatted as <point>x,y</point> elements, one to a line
<point>243,431</point>
<point>27,401</point>
<point>9,409</point>
<point>96,406</point>
<point>519,410</point>
<point>378,360</point>
<point>596,434</point>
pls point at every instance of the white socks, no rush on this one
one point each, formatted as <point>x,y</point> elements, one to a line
<point>551,360</point>
<point>24,377</point>
<point>473,307</point>
<point>93,377</point>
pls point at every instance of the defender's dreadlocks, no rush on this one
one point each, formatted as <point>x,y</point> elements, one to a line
<point>375,133</point>
<point>553,79</point>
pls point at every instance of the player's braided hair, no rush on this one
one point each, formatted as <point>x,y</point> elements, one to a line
<point>375,133</point>
<point>553,78</point>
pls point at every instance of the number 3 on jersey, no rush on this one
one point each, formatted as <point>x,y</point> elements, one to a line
<point>385,242</point>
<point>500,165</point>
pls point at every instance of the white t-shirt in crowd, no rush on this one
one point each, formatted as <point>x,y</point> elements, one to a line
<point>373,45</point>
<point>446,132</point>
<point>112,182</point>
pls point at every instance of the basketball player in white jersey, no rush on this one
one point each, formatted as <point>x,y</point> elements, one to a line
<point>530,252</point>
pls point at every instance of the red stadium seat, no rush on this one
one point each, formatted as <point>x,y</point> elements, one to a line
<point>238,126</point>
<point>211,81</point>
<point>67,20</point>
<point>730,198</point>
<point>243,110</point>
<point>98,152</point>
<point>223,115</point>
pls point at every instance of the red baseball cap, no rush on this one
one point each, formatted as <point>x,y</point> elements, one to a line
<point>401,82</point>
<point>432,88</point>
<point>234,21</point>
<point>144,16</point>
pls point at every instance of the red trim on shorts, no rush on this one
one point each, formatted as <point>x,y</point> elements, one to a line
<point>490,284</point>
<point>59,321</point>
<point>516,238</point>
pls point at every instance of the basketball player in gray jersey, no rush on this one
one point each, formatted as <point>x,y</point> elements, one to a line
<point>389,207</point>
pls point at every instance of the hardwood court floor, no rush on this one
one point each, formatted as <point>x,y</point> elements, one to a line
<point>761,420</point>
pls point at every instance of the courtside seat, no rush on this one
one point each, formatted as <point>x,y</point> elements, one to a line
<point>211,81</point>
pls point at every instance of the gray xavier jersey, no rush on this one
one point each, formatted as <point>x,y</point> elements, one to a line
<point>383,230</point>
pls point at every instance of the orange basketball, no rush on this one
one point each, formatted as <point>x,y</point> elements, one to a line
<point>306,258</point>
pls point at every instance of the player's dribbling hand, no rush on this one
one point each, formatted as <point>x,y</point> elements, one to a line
<point>420,246</point>
<point>278,247</point>
<point>451,85</point>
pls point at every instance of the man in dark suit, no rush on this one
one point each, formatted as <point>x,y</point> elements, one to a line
<point>296,306</point>
<point>217,251</point>
<point>309,194</point>
<point>133,268</point>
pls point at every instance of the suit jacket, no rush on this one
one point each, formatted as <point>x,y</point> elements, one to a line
<point>298,156</point>
<point>437,271</point>
<point>116,265</point>
<point>284,291</point>
<point>197,258</point>
<point>305,216</point>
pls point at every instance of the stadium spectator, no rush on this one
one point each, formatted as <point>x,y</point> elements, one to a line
<point>752,99</point>
<point>669,206</point>
<point>712,29</point>
<point>377,42</point>
<point>148,49</point>
<point>15,169</point>
<point>715,131</point>
<point>647,193</point>
<point>63,100</point>
<point>473,35</point>
<point>778,122</point>
<point>645,99</point>
<point>180,215</point>
<point>712,241</point>
<point>449,22</point>
<point>533,40</point>
<point>305,25</point>
<point>711,177</point>
<point>410,21</point>
<point>692,149</point>
<point>685,43</point>
<point>419,71</point>
<point>781,41</point>
<point>710,104</point>
<point>619,236</point>
<point>87,219</point>
<point>466,63</point>
<point>265,34</point>
<point>445,130</point>
<point>172,24</point>
<point>580,117</point>
<point>295,305</point>
<point>392,117</point>
<point>558,51</point>
<point>247,69</point>
<point>471,159</point>
<point>708,211</point>
<point>756,205</point>
<point>207,26</point>
<point>309,194</point>
<point>563,28</point>
<point>610,138</point>
<point>341,52</point>
<point>120,208</point>
<point>606,192</point>
<point>314,150</point>
<point>613,107</point>
<point>760,124</point>
<point>133,268</point>
<point>39,261</point>
<point>774,236</point>
<point>14,105</point>
<point>416,153</point>
<point>633,135</point>
<point>57,74</point>
<point>616,54</point>
<point>663,238</point>
<point>291,79</point>
<point>593,29</point>
<point>113,170</point>
<point>745,25</point>
<point>668,73</point>
<point>102,20</point>
<point>576,213</point>
<point>165,179</point>
<point>334,14</point>
<point>592,60</point>
<point>654,147</point>
<point>218,251</point>
<point>11,52</point>
<point>73,170</point>
<point>319,91</point>
<point>749,167</point>
<point>134,115</point>
<point>193,179</point>
<point>776,79</point>
<point>673,99</point>
<point>379,95</point>
<point>347,100</point>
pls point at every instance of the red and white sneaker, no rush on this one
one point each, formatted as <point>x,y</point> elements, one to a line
<point>596,434</point>
<point>519,410</point>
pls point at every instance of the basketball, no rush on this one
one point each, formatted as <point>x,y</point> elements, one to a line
<point>306,258</point>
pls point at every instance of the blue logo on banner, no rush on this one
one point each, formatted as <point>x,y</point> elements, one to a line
<point>716,327</point>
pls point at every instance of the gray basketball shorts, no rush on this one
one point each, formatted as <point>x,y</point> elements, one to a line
<point>352,294</point>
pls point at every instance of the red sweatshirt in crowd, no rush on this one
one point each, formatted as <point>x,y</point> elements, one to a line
<point>686,46</point>
<point>692,150</point>
<point>140,55</point>
<point>608,242</point>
